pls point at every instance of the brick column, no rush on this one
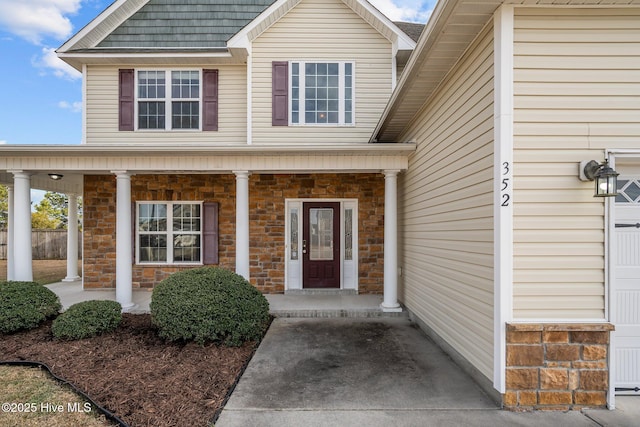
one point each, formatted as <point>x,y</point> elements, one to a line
<point>557,366</point>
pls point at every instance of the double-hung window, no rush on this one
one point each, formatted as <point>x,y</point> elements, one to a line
<point>321,93</point>
<point>168,99</point>
<point>169,233</point>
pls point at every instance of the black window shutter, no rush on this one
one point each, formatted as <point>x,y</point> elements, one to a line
<point>210,233</point>
<point>126,100</point>
<point>210,100</point>
<point>280,93</point>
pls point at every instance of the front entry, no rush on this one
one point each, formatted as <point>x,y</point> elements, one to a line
<point>321,245</point>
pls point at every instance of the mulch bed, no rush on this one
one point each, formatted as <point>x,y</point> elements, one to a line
<point>134,374</point>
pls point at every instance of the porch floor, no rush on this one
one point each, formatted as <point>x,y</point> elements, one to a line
<point>280,305</point>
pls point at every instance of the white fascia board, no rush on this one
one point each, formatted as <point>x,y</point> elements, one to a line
<point>151,149</point>
<point>441,12</point>
<point>78,59</point>
<point>241,38</point>
<point>91,26</point>
<point>404,41</point>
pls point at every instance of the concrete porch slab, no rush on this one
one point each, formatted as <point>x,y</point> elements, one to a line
<point>322,305</point>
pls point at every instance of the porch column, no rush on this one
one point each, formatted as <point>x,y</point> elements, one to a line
<point>124,254</point>
<point>242,223</point>
<point>390,303</point>
<point>22,254</point>
<point>72,239</point>
<point>11,271</point>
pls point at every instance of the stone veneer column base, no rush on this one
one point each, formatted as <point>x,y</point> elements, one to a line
<point>557,366</point>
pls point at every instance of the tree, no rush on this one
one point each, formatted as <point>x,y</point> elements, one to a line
<point>52,211</point>
<point>4,206</point>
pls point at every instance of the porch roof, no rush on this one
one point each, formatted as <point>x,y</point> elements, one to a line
<point>74,161</point>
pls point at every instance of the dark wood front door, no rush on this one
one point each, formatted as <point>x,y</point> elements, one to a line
<point>321,245</point>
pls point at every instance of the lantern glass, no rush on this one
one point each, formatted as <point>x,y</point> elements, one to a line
<point>606,182</point>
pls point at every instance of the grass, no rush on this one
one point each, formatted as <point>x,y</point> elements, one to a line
<point>44,271</point>
<point>38,399</point>
<point>29,398</point>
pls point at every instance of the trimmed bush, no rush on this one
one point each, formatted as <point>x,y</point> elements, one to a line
<point>87,319</point>
<point>209,304</point>
<point>24,305</point>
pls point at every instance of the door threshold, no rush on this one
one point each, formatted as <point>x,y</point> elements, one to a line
<point>321,292</point>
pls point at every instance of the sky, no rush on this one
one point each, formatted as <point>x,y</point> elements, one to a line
<point>41,96</point>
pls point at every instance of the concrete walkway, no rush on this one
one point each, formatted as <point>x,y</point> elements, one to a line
<point>373,372</point>
<point>337,360</point>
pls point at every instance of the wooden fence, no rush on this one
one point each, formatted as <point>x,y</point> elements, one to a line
<point>46,244</point>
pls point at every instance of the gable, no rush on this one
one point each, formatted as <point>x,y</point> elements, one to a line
<point>184,24</point>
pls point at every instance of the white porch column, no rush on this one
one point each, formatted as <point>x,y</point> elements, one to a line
<point>390,302</point>
<point>124,254</point>
<point>22,254</point>
<point>11,271</point>
<point>72,239</point>
<point>242,223</point>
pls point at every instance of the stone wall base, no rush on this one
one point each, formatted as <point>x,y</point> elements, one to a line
<point>557,366</point>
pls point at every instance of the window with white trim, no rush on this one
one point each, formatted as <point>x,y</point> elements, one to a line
<point>169,233</point>
<point>321,93</point>
<point>168,99</point>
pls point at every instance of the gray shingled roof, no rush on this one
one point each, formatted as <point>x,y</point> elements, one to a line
<point>185,24</point>
<point>411,29</point>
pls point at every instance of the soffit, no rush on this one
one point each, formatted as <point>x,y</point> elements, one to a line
<point>453,26</point>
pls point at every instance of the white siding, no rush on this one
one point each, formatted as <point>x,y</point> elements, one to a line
<point>577,87</point>
<point>322,30</point>
<point>102,109</point>
<point>446,210</point>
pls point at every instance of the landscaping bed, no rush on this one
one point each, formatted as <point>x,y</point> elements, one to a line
<point>139,377</point>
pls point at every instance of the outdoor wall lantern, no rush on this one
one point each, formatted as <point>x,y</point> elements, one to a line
<point>606,179</point>
<point>56,176</point>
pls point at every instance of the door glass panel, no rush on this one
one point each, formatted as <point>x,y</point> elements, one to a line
<point>294,234</point>
<point>321,234</point>
<point>348,232</point>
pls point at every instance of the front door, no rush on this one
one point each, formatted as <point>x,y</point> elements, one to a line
<point>626,317</point>
<point>321,245</point>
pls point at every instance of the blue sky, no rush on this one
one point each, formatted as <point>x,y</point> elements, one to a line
<point>40,96</point>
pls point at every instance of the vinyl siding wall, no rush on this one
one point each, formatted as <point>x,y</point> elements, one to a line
<point>446,210</point>
<point>102,109</point>
<point>576,87</point>
<point>322,30</point>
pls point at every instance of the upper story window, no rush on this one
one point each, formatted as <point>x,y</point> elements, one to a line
<point>168,100</point>
<point>321,93</point>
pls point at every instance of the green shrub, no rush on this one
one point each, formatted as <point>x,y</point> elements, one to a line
<point>209,304</point>
<point>87,319</point>
<point>24,305</point>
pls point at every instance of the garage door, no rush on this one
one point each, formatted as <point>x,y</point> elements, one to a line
<point>626,290</point>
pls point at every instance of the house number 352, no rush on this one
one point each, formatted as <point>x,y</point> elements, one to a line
<point>505,186</point>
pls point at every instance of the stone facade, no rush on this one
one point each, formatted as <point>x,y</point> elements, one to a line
<point>557,366</point>
<point>267,194</point>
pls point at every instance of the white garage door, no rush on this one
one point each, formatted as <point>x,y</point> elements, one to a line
<point>626,314</point>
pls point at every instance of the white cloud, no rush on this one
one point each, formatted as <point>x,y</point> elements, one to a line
<point>49,60</point>
<point>76,107</point>
<point>405,10</point>
<point>2,142</point>
<point>35,19</point>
